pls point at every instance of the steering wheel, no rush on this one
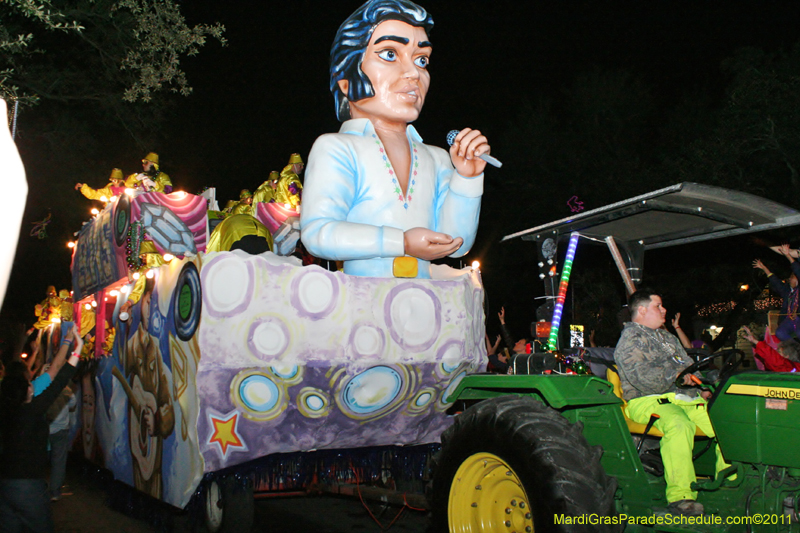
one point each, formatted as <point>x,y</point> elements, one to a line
<point>733,359</point>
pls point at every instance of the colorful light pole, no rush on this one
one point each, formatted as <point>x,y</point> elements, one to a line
<point>552,342</point>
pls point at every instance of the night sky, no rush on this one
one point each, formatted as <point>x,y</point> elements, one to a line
<point>266,95</point>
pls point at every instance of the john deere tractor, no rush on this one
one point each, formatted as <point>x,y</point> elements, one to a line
<point>543,451</point>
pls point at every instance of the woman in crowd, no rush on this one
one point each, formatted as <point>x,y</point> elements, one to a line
<point>24,498</point>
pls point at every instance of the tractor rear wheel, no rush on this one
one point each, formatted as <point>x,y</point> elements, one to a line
<point>513,464</point>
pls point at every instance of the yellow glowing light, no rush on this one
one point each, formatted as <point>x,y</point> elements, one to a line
<point>168,257</point>
<point>103,199</point>
<point>476,265</point>
<point>23,355</point>
<point>114,198</point>
<point>87,307</point>
<point>55,320</point>
<point>743,287</point>
<point>113,293</point>
<point>125,289</point>
<point>150,274</point>
<point>95,211</point>
<point>94,303</point>
<point>136,275</point>
<point>129,191</point>
<point>70,244</point>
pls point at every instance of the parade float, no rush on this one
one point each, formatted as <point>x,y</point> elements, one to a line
<point>229,357</point>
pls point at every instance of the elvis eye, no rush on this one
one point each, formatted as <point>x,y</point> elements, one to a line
<point>422,62</point>
<point>387,55</point>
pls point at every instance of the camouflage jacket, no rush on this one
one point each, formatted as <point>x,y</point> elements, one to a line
<point>648,361</point>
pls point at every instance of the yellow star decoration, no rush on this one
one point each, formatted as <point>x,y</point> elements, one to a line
<point>225,432</point>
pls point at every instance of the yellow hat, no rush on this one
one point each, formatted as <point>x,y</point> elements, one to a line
<point>51,290</point>
<point>295,159</point>
<point>116,174</point>
<point>245,194</point>
<point>152,157</point>
<point>274,175</point>
<point>63,294</point>
<point>147,247</point>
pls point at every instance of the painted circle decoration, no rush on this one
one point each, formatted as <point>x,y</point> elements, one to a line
<point>443,404</point>
<point>229,285</point>
<point>421,401</point>
<point>373,392</point>
<point>157,320</point>
<point>122,219</point>
<point>367,340</point>
<point>268,338</point>
<point>413,316</point>
<point>286,373</point>
<point>314,294</point>
<point>257,395</point>
<point>313,403</point>
<point>450,356</point>
<point>187,302</point>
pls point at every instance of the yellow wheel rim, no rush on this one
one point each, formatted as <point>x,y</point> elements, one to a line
<point>487,495</point>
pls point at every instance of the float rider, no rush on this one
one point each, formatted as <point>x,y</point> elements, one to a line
<point>115,187</point>
<point>151,178</point>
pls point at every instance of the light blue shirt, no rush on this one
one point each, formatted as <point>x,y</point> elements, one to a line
<point>353,208</point>
<point>40,383</point>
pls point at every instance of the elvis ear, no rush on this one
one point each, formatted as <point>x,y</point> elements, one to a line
<point>344,86</point>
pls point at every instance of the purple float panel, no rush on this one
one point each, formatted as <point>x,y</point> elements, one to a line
<point>298,358</point>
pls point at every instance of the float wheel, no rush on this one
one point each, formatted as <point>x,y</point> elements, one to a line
<point>228,506</point>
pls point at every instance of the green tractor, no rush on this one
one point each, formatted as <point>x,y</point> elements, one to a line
<point>537,452</point>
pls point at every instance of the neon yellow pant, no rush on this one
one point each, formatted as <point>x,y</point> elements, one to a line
<point>677,423</point>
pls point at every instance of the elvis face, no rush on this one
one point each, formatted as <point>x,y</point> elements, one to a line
<point>396,63</point>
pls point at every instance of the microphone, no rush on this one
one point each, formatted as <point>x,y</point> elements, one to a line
<point>451,138</point>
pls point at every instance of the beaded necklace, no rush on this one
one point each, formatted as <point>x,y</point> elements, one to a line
<point>414,169</point>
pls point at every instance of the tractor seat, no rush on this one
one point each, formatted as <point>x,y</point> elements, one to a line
<point>634,427</point>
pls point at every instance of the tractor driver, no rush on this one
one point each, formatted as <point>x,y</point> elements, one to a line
<point>649,360</point>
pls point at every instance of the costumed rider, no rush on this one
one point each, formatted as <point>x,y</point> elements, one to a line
<point>375,196</point>
<point>115,187</point>
<point>49,310</point>
<point>244,206</point>
<point>265,193</point>
<point>649,359</point>
<point>289,187</point>
<point>150,258</point>
<point>151,178</point>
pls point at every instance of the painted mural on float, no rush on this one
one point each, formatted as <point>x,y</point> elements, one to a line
<point>228,357</point>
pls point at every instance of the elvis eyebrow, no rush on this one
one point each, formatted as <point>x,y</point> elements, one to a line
<point>402,40</point>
